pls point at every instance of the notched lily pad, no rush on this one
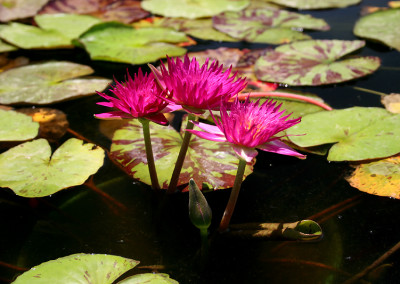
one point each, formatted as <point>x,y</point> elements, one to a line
<point>214,164</point>
<point>47,83</point>
<point>18,9</point>
<point>313,62</point>
<point>31,170</point>
<point>149,278</point>
<point>315,4</point>
<point>16,126</point>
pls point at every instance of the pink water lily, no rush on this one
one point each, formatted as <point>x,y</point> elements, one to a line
<point>140,97</point>
<point>248,126</point>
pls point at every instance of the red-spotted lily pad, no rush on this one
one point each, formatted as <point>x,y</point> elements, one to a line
<point>125,11</point>
<point>314,62</point>
<point>383,26</point>
<point>358,133</point>
<point>379,178</point>
<point>79,268</point>
<point>315,4</point>
<point>16,126</point>
<point>18,9</point>
<point>47,83</point>
<point>121,43</point>
<point>31,170</point>
<point>266,25</point>
<point>206,161</point>
<point>192,9</point>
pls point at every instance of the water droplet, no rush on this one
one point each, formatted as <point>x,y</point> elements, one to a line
<point>348,257</point>
<point>339,217</point>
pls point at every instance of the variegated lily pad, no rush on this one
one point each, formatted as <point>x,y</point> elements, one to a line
<point>16,126</point>
<point>267,25</point>
<point>313,62</point>
<point>383,26</point>
<point>315,4</point>
<point>121,43</point>
<point>18,9</point>
<point>192,9</point>
<point>206,161</point>
<point>359,133</point>
<point>47,83</point>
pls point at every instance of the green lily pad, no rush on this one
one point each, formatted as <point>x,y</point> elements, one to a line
<point>315,4</point>
<point>266,25</point>
<point>5,47</point>
<point>16,126</point>
<point>47,83</point>
<point>214,164</point>
<point>31,170</point>
<point>18,9</point>
<point>78,268</point>
<point>150,278</point>
<point>121,43</point>
<point>359,133</point>
<point>192,9</point>
<point>313,62</point>
<point>383,26</point>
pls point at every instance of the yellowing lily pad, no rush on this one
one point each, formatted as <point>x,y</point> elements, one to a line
<point>121,43</point>
<point>31,170</point>
<point>16,126</point>
<point>78,268</point>
<point>382,26</point>
<point>47,83</point>
<point>314,62</point>
<point>391,102</point>
<point>315,4</point>
<point>192,9</point>
<point>379,178</point>
<point>18,9</point>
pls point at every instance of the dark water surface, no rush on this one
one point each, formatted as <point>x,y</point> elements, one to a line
<point>157,230</point>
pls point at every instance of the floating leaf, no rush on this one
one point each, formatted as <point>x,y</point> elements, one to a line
<point>79,268</point>
<point>383,26</point>
<point>149,278</point>
<point>30,169</point>
<point>121,43</point>
<point>267,25</point>
<point>5,47</point>
<point>192,9</point>
<point>16,126</point>
<point>379,178</point>
<point>359,133</point>
<point>313,62</point>
<point>206,162</point>
<point>18,9</point>
<point>47,83</point>
<point>391,102</point>
<point>315,4</point>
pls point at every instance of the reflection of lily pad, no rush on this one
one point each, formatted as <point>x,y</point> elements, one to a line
<point>313,62</point>
<point>47,83</point>
<point>18,9</point>
<point>31,170</point>
<point>206,161</point>
<point>121,43</point>
<point>16,126</point>
<point>359,133</point>
<point>149,278</point>
<point>79,268</point>
<point>383,26</point>
<point>315,4</point>
<point>266,25</point>
<point>192,9</point>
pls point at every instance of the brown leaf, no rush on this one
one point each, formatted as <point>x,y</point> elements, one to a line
<point>391,102</point>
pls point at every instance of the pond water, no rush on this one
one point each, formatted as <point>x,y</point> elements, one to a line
<point>155,229</point>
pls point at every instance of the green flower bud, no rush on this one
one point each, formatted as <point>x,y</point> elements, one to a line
<point>199,210</point>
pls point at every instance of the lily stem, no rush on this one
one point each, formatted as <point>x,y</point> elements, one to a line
<point>226,218</point>
<point>149,154</point>
<point>181,156</point>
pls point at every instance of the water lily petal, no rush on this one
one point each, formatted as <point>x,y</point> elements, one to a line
<point>247,154</point>
<point>208,136</point>
<point>208,127</point>
<point>158,118</point>
<point>112,115</point>
<point>277,146</point>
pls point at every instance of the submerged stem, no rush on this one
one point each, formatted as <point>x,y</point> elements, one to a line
<point>181,157</point>
<point>226,218</point>
<point>149,153</point>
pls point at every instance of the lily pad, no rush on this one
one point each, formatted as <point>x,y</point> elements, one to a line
<point>121,43</point>
<point>47,83</point>
<point>379,178</point>
<point>192,9</point>
<point>391,102</point>
<point>79,268</point>
<point>5,47</point>
<point>31,170</point>
<point>359,133</point>
<point>18,9</point>
<point>315,4</point>
<point>149,278</point>
<point>214,164</point>
<point>16,126</point>
<point>313,62</point>
<point>267,25</point>
<point>382,26</point>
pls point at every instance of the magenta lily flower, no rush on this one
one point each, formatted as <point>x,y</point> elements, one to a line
<point>249,126</point>
<point>140,97</point>
<point>197,88</point>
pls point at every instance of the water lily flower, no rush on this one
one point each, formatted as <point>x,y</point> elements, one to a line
<point>140,97</point>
